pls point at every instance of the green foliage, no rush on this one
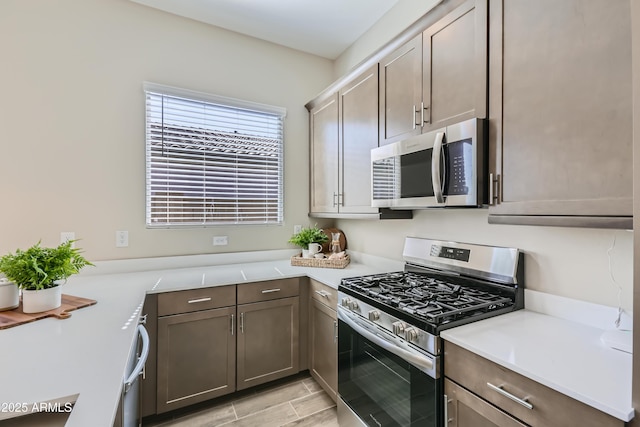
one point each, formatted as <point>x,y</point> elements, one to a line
<point>308,235</point>
<point>39,268</point>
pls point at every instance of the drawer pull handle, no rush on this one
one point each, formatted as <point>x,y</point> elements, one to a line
<point>193,301</point>
<point>268,291</point>
<point>505,393</point>
<point>323,294</point>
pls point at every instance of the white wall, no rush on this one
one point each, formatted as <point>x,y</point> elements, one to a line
<point>72,120</point>
<point>569,262</point>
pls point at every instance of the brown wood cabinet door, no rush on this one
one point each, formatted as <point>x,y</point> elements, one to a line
<point>465,409</point>
<point>196,357</point>
<point>358,135</point>
<point>268,347</point>
<point>401,92</point>
<point>324,156</point>
<point>560,107</point>
<point>455,66</point>
<point>324,347</point>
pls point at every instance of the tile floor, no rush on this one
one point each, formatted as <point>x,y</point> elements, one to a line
<point>296,402</point>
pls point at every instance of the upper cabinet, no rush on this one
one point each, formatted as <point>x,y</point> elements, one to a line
<point>437,78</point>
<point>344,129</point>
<point>358,124</point>
<point>401,92</point>
<point>323,125</point>
<point>560,112</point>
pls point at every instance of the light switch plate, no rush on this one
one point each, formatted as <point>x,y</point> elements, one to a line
<point>65,236</point>
<point>122,239</point>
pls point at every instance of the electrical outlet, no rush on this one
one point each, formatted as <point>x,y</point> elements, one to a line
<point>122,239</point>
<point>297,229</point>
<point>220,240</point>
<point>65,236</point>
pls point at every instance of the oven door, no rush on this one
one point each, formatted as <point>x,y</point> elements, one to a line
<point>382,380</point>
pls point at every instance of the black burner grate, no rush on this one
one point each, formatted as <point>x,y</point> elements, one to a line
<point>432,299</point>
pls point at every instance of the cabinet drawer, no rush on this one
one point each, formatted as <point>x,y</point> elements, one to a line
<point>265,291</point>
<point>465,409</point>
<point>549,408</point>
<point>196,300</point>
<point>325,294</point>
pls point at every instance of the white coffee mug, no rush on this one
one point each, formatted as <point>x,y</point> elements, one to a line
<point>314,248</point>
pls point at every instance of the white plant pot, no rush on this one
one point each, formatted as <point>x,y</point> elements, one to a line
<point>306,254</point>
<point>41,300</point>
<point>9,295</point>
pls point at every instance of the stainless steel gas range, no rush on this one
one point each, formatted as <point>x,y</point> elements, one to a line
<point>390,364</point>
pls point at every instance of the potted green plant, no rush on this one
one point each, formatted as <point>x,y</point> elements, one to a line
<point>309,236</point>
<point>40,272</point>
<point>9,294</point>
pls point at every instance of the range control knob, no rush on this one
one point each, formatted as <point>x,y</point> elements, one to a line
<point>398,328</point>
<point>353,305</point>
<point>411,335</point>
<point>345,302</point>
<point>374,315</point>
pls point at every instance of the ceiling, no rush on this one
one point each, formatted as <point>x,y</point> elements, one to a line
<point>324,28</point>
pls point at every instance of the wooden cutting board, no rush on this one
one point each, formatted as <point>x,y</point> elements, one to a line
<point>15,317</point>
<point>326,247</point>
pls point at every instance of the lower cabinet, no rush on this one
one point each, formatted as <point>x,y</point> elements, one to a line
<point>196,357</point>
<point>214,341</point>
<point>482,393</point>
<point>323,337</point>
<point>465,409</point>
<point>324,347</point>
<point>268,346</point>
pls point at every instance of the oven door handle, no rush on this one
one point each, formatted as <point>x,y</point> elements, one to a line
<point>418,360</point>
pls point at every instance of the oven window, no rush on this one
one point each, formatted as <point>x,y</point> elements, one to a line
<point>381,388</point>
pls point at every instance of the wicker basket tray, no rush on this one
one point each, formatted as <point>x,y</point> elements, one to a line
<point>320,262</point>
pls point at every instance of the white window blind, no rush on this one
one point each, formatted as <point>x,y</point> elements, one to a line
<point>212,160</point>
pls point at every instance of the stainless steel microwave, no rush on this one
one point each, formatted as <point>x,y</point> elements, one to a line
<point>442,168</point>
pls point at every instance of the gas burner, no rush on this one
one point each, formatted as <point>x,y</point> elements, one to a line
<point>427,298</point>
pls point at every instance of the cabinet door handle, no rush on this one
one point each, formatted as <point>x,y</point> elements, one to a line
<point>423,109</point>
<point>494,180</point>
<point>506,394</point>
<point>335,199</point>
<point>447,420</point>
<point>323,294</point>
<point>268,291</point>
<point>232,324</point>
<point>193,301</point>
<point>335,331</point>
<point>242,323</point>
<point>414,111</point>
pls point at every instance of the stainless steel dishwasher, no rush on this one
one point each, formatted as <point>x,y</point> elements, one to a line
<point>131,396</point>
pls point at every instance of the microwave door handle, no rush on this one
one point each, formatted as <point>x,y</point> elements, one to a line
<point>436,165</point>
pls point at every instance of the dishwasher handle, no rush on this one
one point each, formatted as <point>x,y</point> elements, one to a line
<point>144,353</point>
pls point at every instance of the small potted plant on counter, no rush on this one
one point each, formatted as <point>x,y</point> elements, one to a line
<point>9,294</point>
<point>40,273</point>
<point>313,236</point>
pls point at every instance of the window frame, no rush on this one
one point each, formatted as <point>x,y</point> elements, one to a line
<point>225,102</point>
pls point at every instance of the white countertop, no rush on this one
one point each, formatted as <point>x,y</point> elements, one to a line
<point>87,353</point>
<point>565,355</point>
